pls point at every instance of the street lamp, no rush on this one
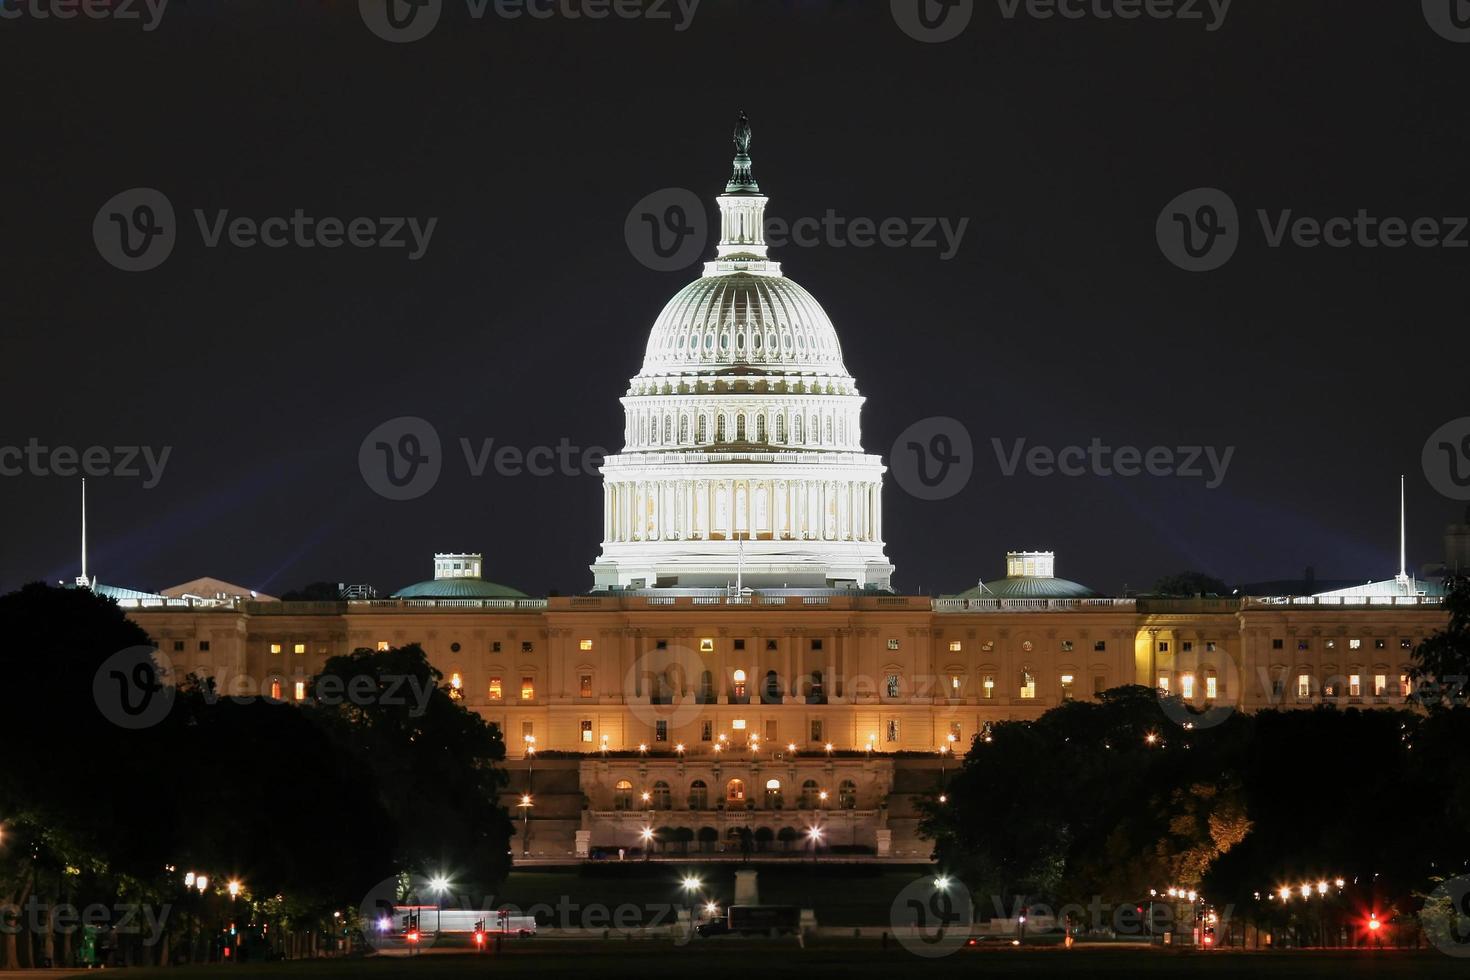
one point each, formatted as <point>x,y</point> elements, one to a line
<point>829,751</point>
<point>438,885</point>
<point>679,749</point>
<point>814,835</point>
<point>234,889</point>
<point>646,835</point>
<point>525,806</point>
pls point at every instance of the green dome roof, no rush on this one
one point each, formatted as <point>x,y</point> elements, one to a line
<point>1028,587</point>
<point>458,588</point>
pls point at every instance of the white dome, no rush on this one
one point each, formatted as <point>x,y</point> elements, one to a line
<point>739,319</point>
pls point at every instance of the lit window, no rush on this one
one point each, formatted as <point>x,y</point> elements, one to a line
<point>1380,685</point>
<point>1405,643</point>
<point>1066,646</point>
<point>893,644</point>
<point>1164,683</point>
<point>1404,687</point>
<point>1100,646</point>
<point>1028,684</point>
<point>706,731</point>
<point>1355,644</point>
<point>1209,646</point>
<point>1212,687</point>
<point>382,646</point>
<point>275,690</point>
<point>1066,687</point>
<point>275,648</point>
<point>1186,686</point>
<point>738,724</point>
<point>528,688</point>
<point>739,678</point>
<point>586,727</point>
<point>585,686</point>
<point>527,646</point>
<point>1380,644</point>
<point>890,731</point>
<point>954,685</point>
<point>661,730</point>
<point>298,648</point>
<point>955,646</point>
<point>1355,686</point>
<point>300,691</point>
<point>1303,685</point>
<point>623,795</point>
<point>707,645</point>
<point>495,689</point>
<point>954,729</point>
<point>735,791</point>
<point>892,685</point>
<point>456,686</point>
<point>1330,644</point>
<point>585,645</point>
<point>987,685</point>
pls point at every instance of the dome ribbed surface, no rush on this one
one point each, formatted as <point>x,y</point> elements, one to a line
<point>458,588</point>
<point>1029,587</point>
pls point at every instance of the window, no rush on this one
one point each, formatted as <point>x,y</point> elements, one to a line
<point>662,798</point>
<point>810,795</point>
<point>954,729</point>
<point>955,683</point>
<point>1355,644</point>
<point>495,646</point>
<point>738,724</point>
<point>1380,685</point>
<point>203,644</point>
<point>955,646</point>
<point>1066,687</point>
<point>1329,688</point>
<point>1209,646</point>
<point>987,686</point>
<point>456,686</point>
<point>1187,645</point>
<point>890,731</point>
<point>1405,688</point>
<point>528,731</point>
<point>1355,685</point>
<point>275,690</point>
<point>1186,686</point>
<point>527,646</point>
<point>735,791</point>
<point>1278,644</point>
<point>1380,644</point>
<point>847,794</point>
<point>298,648</point>
<point>300,690</point>
<point>623,795</point>
<point>739,678</point>
<point>1100,646</point>
<point>661,730</point>
<point>706,731</point>
<point>178,645</point>
<point>1164,683</point>
<point>528,688</point>
<point>740,644</point>
<point>1163,646</point>
<point>1212,687</point>
<point>584,685</point>
<point>1405,643</point>
<point>1099,684</point>
<point>816,644</point>
<point>707,645</point>
<point>892,644</point>
<point>495,689</point>
<point>275,648</point>
<point>584,645</point>
<point>698,795</point>
<point>770,645</point>
<point>1066,646</point>
<point>816,731</point>
<point>1303,685</point>
<point>892,685</point>
<point>773,794</point>
<point>660,644</point>
<point>585,725</point>
<point>1028,684</point>
<point>1330,644</point>
<point>382,646</point>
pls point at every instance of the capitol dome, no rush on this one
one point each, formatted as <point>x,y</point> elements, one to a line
<point>742,462</point>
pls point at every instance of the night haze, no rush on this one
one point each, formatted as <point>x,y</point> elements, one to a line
<point>1058,320</point>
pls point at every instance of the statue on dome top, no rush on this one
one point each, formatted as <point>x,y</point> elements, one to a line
<point>742,134</point>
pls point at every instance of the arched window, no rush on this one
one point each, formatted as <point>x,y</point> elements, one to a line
<point>701,430</point>
<point>818,693</point>
<point>772,691</point>
<point>668,428</point>
<point>698,795</point>
<point>740,427</point>
<point>661,796</point>
<point>760,428</point>
<point>720,427</point>
<point>810,795</point>
<point>623,795</point>
<point>735,791</point>
<point>739,679</point>
<point>847,795</point>
<point>828,440</point>
<point>773,794</point>
<point>706,688</point>
<point>796,429</point>
<point>780,429</point>
<point>683,429</point>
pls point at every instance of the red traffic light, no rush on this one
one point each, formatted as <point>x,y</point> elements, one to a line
<point>479,939</point>
<point>412,937</point>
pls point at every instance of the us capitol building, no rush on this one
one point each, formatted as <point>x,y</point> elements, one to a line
<point>741,661</point>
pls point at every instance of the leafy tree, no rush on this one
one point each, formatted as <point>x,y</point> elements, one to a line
<point>1441,668</point>
<point>1190,584</point>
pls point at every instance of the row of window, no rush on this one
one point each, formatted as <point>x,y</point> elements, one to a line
<point>805,430</point>
<point>660,795</point>
<point>1405,643</point>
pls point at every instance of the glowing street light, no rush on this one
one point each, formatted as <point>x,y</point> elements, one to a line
<point>643,748</point>
<point>829,750</point>
<point>647,796</point>
<point>942,882</point>
<point>691,883</point>
<point>679,748</point>
<point>525,805</point>
<point>234,889</point>
<point>439,885</point>
<point>188,879</point>
<point>791,747</point>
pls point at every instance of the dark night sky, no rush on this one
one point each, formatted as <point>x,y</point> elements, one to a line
<point>1058,321</point>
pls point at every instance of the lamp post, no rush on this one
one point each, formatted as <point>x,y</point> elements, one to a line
<point>646,835</point>
<point>525,806</point>
<point>438,886</point>
<point>814,835</point>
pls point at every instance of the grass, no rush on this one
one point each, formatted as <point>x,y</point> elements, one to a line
<point>775,959</point>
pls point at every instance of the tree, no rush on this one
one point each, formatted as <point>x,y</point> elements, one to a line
<point>1441,665</point>
<point>1190,584</point>
<point>708,836</point>
<point>786,835</point>
<point>763,837</point>
<point>685,836</point>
